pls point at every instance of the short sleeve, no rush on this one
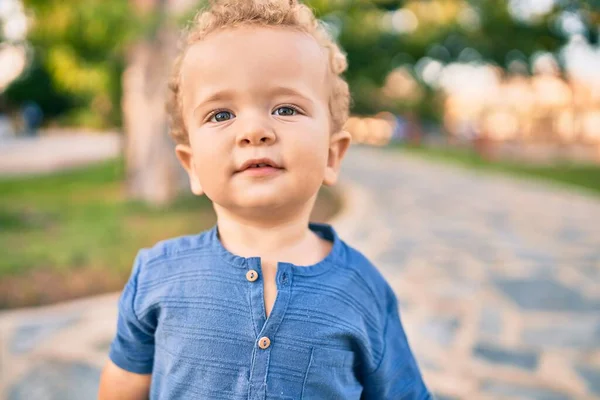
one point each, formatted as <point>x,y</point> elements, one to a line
<point>132,349</point>
<point>397,374</point>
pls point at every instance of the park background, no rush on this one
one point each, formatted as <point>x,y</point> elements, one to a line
<point>473,182</point>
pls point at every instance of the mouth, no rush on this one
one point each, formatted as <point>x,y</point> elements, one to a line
<point>264,164</point>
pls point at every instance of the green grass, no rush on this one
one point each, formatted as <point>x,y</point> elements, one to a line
<point>81,219</point>
<point>578,175</point>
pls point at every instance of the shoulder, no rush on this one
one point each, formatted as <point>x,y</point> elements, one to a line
<point>177,246</point>
<point>163,269</point>
<point>367,275</point>
<point>152,261</point>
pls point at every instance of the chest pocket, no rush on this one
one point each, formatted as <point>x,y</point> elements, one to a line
<point>331,375</point>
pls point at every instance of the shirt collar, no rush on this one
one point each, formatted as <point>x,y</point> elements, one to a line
<point>325,231</point>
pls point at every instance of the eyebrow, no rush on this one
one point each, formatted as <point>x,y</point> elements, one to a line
<point>218,96</point>
<point>283,90</point>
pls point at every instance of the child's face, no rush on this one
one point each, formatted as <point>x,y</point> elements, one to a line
<point>252,93</point>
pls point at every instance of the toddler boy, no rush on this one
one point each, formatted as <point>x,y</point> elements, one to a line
<point>264,305</point>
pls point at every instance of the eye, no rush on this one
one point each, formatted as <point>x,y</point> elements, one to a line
<point>285,111</point>
<point>221,116</point>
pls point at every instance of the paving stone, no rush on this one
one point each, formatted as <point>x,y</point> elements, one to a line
<point>425,362</point>
<point>545,295</point>
<point>454,236</point>
<point>483,252</point>
<point>103,346</point>
<point>576,333</point>
<point>397,255</point>
<point>437,396</point>
<point>535,255</point>
<point>497,219</point>
<point>570,234</point>
<point>490,322</point>
<point>54,380</point>
<point>514,391</point>
<point>542,271</point>
<point>441,330</point>
<point>589,267</point>
<point>592,378</point>
<point>458,290</point>
<point>497,355</point>
<point>28,335</point>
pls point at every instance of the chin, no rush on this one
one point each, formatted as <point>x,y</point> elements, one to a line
<point>268,205</point>
<point>262,203</point>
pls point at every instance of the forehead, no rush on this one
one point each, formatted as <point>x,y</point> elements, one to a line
<point>254,58</point>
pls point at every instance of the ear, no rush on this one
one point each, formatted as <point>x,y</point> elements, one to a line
<point>339,143</point>
<point>186,158</point>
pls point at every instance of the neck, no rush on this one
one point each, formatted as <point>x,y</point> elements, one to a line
<point>284,238</point>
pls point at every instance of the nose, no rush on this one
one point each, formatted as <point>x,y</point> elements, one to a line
<point>256,131</point>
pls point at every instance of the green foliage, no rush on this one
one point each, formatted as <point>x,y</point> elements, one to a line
<point>374,49</point>
<point>38,85</point>
<point>80,47</point>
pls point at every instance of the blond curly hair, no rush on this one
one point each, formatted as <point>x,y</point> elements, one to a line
<point>223,14</point>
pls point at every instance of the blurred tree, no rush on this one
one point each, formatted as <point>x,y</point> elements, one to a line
<point>95,65</point>
<point>76,66</point>
<point>37,85</point>
<point>80,44</point>
<point>153,173</point>
<point>380,35</point>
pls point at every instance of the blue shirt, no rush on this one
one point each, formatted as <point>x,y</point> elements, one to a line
<point>193,315</point>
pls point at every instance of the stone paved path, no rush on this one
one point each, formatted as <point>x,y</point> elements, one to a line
<point>498,280</point>
<point>56,150</point>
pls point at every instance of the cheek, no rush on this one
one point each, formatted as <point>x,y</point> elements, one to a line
<point>310,146</point>
<point>309,162</point>
<point>208,159</point>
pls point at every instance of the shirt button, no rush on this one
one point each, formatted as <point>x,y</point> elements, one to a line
<point>252,275</point>
<point>264,342</point>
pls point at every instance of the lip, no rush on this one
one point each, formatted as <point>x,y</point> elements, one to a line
<point>271,165</point>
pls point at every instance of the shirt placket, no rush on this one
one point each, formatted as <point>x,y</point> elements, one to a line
<point>265,328</point>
